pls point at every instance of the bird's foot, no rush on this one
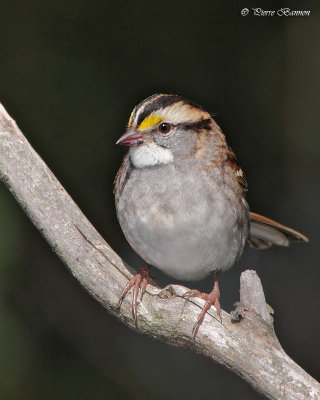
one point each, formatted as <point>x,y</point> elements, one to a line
<point>139,283</point>
<point>212,299</point>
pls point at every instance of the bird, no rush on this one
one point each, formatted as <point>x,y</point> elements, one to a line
<point>180,198</point>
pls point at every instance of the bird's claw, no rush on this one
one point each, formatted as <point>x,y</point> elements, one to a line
<point>139,283</point>
<point>212,299</point>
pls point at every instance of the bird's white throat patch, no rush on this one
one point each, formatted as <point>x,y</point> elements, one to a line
<point>150,154</point>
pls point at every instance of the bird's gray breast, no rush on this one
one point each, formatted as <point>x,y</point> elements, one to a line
<point>181,220</point>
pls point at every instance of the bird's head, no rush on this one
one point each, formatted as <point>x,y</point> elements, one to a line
<point>165,127</point>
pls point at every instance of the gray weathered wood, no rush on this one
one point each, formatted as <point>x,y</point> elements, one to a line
<point>252,295</point>
<point>249,347</point>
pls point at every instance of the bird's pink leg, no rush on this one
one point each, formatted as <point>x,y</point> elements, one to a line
<point>139,283</point>
<point>212,299</point>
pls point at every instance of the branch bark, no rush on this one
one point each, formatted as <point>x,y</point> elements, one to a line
<point>248,345</point>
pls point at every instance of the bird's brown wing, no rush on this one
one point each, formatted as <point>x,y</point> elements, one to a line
<point>265,232</point>
<point>122,176</point>
<point>232,161</point>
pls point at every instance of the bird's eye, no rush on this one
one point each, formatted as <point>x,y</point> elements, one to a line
<point>164,128</point>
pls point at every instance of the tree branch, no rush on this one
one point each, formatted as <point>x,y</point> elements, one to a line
<point>248,347</point>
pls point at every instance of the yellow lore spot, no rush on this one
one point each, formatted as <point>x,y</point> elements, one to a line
<point>150,121</point>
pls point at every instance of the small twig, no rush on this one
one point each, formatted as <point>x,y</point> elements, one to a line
<point>249,348</point>
<point>252,295</point>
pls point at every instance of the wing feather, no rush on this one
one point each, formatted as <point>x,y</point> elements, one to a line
<point>122,176</point>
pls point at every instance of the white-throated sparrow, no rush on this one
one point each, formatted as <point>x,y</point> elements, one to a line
<point>180,197</point>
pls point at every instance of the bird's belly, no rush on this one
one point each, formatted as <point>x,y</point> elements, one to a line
<point>185,236</point>
<point>190,255</point>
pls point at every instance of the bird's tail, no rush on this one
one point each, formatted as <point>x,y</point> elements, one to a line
<point>265,232</point>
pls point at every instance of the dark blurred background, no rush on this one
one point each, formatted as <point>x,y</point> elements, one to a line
<point>70,74</point>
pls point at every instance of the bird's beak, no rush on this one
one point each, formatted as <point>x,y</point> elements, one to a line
<point>131,138</point>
